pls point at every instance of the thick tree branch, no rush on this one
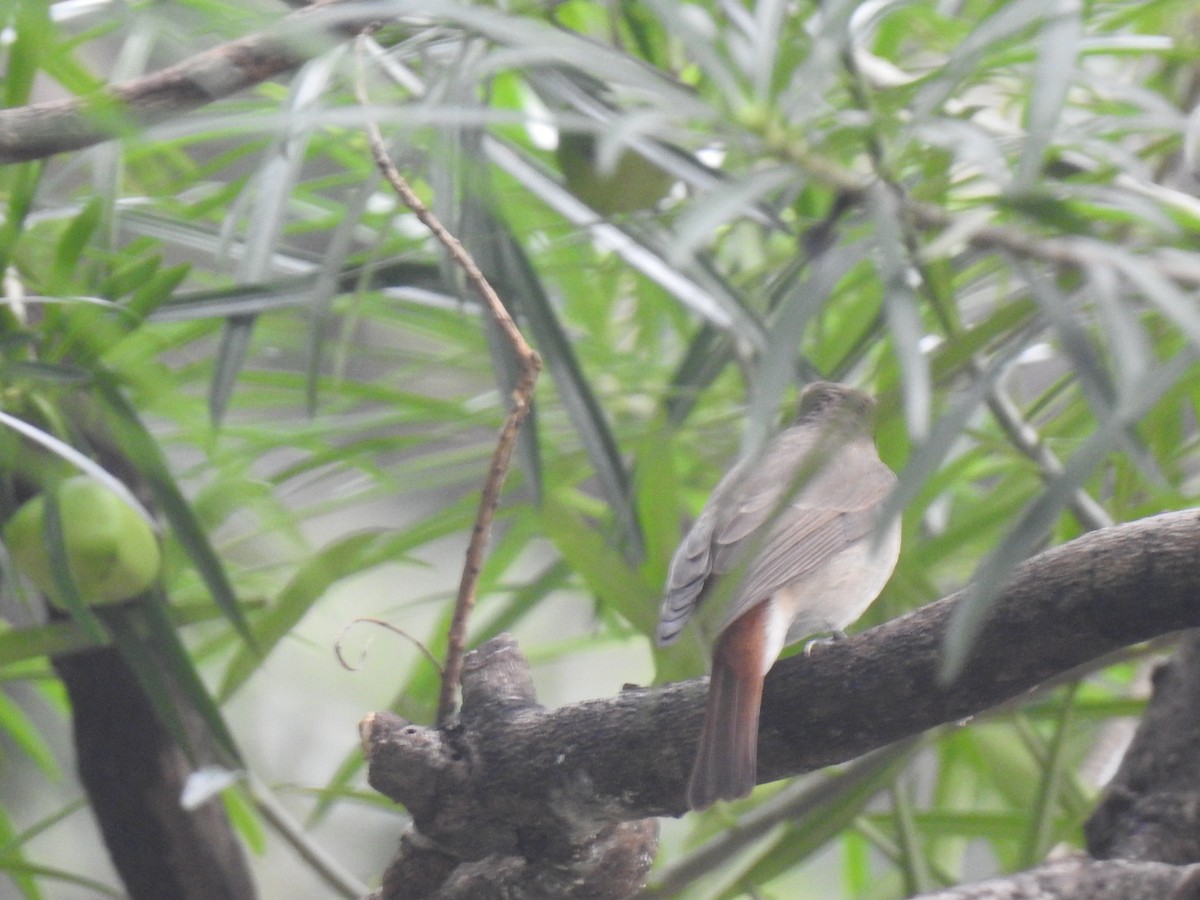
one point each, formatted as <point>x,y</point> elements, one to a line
<point>519,779</point>
<point>43,129</point>
<point>1079,878</point>
<point>134,772</point>
<point>1151,808</point>
<point>497,854</point>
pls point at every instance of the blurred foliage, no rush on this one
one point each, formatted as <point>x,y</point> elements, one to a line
<point>983,212</point>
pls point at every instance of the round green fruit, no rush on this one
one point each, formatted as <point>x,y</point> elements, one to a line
<point>633,184</point>
<point>112,551</point>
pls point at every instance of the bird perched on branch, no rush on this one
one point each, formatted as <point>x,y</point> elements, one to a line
<point>789,545</point>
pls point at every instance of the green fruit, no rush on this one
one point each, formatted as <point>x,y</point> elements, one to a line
<point>112,551</point>
<point>634,183</point>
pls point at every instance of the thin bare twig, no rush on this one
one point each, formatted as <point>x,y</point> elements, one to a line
<point>337,645</point>
<point>522,396</point>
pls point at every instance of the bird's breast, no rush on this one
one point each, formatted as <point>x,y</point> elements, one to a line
<point>836,593</point>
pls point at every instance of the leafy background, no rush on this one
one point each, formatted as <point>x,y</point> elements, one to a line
<point>982,212</point>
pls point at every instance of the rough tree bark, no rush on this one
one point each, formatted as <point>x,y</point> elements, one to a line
<point>515,782</point>
<point>1151,808</point>
<point>134,772</point>
<point>1079,878</point>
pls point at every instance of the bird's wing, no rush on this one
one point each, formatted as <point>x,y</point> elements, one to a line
<point>693,562</point>
<point>837,508</point>
<point>690,568</point>
<point>741,503</point>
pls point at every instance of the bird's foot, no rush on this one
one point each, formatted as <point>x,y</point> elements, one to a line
<point>834,637</point>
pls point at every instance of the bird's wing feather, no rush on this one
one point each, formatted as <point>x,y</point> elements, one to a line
<point>829,514</point>
<point>690,569</point>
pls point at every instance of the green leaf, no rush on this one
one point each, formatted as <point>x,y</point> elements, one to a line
<point>659,500</point>
<point>72,245</point>
<point>66,590</point>
<point>603,569</point>
<point>1057,48</point>
<point>32,642</point>
<point>21,730</point>
<point>231,356</point>
<point>517,276</point>
<point>991,577</point>
<point>811,811</point>
<point>1039,835</point>
<point>170,650</point>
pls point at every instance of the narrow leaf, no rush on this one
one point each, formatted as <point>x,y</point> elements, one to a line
<point>231,356</point>
<point>1030,530</point>
<point>152,620</point>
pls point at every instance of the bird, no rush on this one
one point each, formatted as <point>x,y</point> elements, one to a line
<point>798,529</point>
